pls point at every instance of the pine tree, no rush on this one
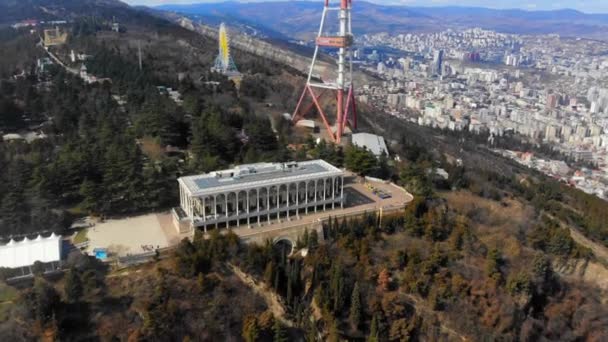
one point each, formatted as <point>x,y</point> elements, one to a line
<point>269,274</point>
<point>334,335</point>
<point>310,330</point>
<point>493,262</point>
<point>305,238</point>
<point>89,190</point>
<point>46,300</point>
<point>355,308</point>
<point>289,294</point>
<point>12,211</point>
<point>313,240</point>
<point>251,330</point>
<point>73,286</point>
<point>279,332</point>
<point>374,330</point>
<point>200,282</point>
<point>337,287</point>
<point>276,281</point>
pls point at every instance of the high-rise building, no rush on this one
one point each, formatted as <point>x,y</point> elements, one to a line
<point>551,101</point>
<point>437,62</point>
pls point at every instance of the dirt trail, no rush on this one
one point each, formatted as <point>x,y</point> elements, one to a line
<point>595,273</point>
<point>423,310</point>
<point>600,251</point>
<point>590,272</point>
<point>271,298</point>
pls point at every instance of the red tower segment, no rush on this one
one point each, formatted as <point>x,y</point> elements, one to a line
<point>346,112</point>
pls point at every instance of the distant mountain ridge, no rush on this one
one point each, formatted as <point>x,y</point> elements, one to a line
<point>16,10</point>
<point>301,18</point>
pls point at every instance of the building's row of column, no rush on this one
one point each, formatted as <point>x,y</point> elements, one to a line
<point>265,202</point>
<point>186,201</point>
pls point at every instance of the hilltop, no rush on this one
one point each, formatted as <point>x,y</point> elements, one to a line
<point>14,10</point>
<point>492,252</point>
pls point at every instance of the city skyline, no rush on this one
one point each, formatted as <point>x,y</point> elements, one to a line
<point>587,6</point>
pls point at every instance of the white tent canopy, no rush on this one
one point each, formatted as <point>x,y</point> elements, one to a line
<point>27,251</point>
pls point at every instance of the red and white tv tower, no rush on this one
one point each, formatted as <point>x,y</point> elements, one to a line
<point>346,107</point>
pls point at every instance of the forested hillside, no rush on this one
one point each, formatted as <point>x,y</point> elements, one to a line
<point>116,147</point>
<point>481,255</point>
<point>469,259</point>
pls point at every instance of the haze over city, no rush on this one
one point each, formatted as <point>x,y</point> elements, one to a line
<point>588,6</point>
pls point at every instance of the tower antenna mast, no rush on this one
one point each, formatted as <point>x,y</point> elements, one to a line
<point>139,54</point>
<point>224,63</point>
<point>343,85</point>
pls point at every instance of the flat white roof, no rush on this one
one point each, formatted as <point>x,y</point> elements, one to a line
<point>27,251</point>
<point>372,142</point>
<point>255,175</point>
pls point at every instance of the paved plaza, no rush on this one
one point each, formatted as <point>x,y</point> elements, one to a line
<point>141,234</point>
<point>360,198</point>
<point>130,236</point>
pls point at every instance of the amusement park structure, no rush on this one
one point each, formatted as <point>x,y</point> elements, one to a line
<point>342,87</point>
<point>224,63</point>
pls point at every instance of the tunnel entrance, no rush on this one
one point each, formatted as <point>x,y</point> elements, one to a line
<point>284,246</point>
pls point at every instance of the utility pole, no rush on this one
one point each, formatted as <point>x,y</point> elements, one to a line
<point>139,54</point>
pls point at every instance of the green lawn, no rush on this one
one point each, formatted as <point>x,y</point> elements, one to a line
<point>5,311</point>
<point>81,236</point>
<point>7,293</point>
<point>77,211</point>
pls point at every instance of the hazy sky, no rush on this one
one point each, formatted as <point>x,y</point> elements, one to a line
<point>591,6</point>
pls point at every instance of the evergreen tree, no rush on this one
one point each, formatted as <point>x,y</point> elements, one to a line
<point>156,188</point>
<point>251,330</point>
<point>493,262</point>
<point>313,240</point>
<point>334,335</point>
<point>269,274</point>
<point>310,331</point>
<point>73,286</point>
<point>13,212</point>
<point>360,160</point>
<point>200,282</point>
<point>374,333</point>
<point>279,332</point>
<point>89,190</point>
<point>337,287</point>
<point>159,316</point>
<point>289,293</point>
<point>45,300</point>
<point>276,281</point>
<point>305,238</point>
<point>355,308</point>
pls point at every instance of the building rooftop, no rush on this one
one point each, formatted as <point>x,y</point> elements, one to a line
<point>27,251</point>
<point>255,175</point>
<point>372,142</point>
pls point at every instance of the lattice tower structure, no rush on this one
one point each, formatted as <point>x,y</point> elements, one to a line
<point>342,87</point>
<point>224,63</point>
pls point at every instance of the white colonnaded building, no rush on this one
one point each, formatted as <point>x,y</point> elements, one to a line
<point>257,193</point>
